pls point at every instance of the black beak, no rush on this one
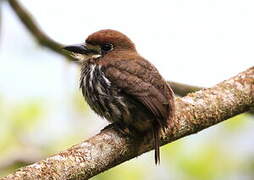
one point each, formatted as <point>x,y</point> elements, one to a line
<point>78,48</point>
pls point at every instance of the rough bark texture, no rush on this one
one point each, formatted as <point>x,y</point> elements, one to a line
<point>107,149</point>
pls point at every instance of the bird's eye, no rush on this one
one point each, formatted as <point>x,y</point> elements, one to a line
<point>107,47</point>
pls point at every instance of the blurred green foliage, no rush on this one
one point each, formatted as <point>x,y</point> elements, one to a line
<point>207,162</point>
<point>123,172</point>
<point>16,121</point>
<point>236,123</point>
<point>79,104</point>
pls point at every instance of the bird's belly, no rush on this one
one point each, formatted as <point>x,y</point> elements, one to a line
<point>105,99</point>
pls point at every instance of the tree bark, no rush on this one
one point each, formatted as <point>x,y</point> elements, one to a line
<point>194,112</point>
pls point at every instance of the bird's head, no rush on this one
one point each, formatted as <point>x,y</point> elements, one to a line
<point>100,44</point>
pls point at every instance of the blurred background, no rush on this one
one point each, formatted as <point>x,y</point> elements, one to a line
<point>199,42</point>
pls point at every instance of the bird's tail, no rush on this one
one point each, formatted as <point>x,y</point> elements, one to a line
<point>156,137</point>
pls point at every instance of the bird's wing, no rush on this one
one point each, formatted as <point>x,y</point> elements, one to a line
<point>144,83</point>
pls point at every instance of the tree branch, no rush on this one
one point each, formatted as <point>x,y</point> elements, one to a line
<point>183,89</point>
<point>33,28</point>
<point>107,149</point>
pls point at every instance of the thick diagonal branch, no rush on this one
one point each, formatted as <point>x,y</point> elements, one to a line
<point>107,149</point>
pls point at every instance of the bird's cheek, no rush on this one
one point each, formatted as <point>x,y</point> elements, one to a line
<point>95,56</point>
<point>80,57</point>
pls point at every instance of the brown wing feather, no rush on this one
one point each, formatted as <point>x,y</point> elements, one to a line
<point>144,83</point>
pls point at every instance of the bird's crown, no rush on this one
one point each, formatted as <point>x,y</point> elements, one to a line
<point>108,36</point>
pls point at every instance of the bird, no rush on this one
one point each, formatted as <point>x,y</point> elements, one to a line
<point>123,87</point>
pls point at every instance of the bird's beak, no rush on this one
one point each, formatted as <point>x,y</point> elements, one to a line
<point>77,48</point>
<point>83,52</point>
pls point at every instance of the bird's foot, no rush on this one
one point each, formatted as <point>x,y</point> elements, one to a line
<point>122,129</point>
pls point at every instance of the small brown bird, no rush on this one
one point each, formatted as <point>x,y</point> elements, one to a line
<point>122,86</point>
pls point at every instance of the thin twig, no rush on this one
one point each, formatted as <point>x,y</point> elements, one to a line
<point>183,89</point>
<point>33,28</point>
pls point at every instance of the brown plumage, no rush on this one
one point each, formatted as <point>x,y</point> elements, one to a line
<point>122,86</point>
